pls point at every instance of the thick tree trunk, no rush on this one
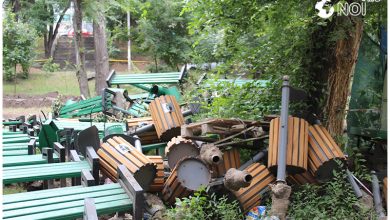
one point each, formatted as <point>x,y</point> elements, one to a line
<point>101,52</point>
<point>342,64</point>
<point>79,50</point>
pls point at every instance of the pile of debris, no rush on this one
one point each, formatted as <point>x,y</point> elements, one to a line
<point>188,156</point>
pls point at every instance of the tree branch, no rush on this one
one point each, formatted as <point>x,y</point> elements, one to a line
<point>60,20</point>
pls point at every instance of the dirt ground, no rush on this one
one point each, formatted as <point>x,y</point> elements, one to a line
<point>21,104</point>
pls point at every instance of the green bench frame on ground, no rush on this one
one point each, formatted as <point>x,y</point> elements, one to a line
<point>68,202</point>
<point>50,171</point>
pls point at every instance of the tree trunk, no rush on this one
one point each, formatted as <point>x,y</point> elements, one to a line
<point>341,66</point>
<point>101,52</point>
<point>79,50</point>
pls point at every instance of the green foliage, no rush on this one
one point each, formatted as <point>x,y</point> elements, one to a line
<point>50,67</point>
<point>162,31</point>
<point>249,101</point>
<point>18,46</point>
<point>332,200</point>
<point>204,206</point>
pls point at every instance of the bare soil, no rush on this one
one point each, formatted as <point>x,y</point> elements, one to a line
<point>28,101</point>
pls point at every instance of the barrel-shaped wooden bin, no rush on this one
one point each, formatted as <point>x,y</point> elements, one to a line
<point>297,145</point>
<point>179,148</point>
<point>158,182</point>
<point>323,152</point>
<point>302,178</point>
<point>189,174</point>
<point>231,159</point>
<point>250,196</point>
<point>116,151</point>
<point>167,117</point>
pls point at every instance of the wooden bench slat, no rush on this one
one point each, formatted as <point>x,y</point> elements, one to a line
<point>49,193</point>
<point>16,140</point>
<point>62,199</point>
<point>66,164</point>
<point>77,212</point>
<point>15,153</point>
<point>47,208</point>
<point>25,160</point>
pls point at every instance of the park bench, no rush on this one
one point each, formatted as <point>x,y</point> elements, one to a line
<point>19,149</point>
<point>103,103</point>
<point>50,171</point>
<point>145,78</point>
<point>57,156</point>
<point>75,202</point>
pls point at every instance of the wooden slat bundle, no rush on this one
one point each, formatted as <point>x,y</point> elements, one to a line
<point>117,151</point>
<point>231,159</point>
<point>250,196</point>
<point>179,148</point>
<point>302,178</point>
<point>158,182</point>
<point>323,151</point>
<point>167,117</point>
<point>297,145</point>
<point>188,175</point>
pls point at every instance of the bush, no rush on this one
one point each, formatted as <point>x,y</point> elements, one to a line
<point>332,200</point>
<point>18,46</point>
<point>204,206</point>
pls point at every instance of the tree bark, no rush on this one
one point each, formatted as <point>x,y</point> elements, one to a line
<point>101,52</point>
<point>79,50</point>
<point>341,66</point>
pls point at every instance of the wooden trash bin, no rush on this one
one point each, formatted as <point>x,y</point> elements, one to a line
<point>189,174</point>
<point>179,148</point>
<point>167,117</point>
<point>297,145</point>
<point>250,196</point>
<point>323,151</point>
<point>231,159</point>
<point>117,151</point>
<point>158,182</point>
<point>302,178</point>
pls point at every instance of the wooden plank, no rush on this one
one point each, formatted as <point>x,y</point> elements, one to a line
<point>63,197</point>
<point>59,206</point>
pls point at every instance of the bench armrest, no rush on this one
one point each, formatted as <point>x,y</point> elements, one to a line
<point>74,156</point>
<point>47,153</point>
<point>60,151</point>
<point>133,190</point>
<point>93,160</point>
<point>110,76</point>
<point>31,146</point>
<point>89,209</point>
<point>87,178</point>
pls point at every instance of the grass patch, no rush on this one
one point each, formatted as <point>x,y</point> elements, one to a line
<point>64,82</point>
<point>11,189</point>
